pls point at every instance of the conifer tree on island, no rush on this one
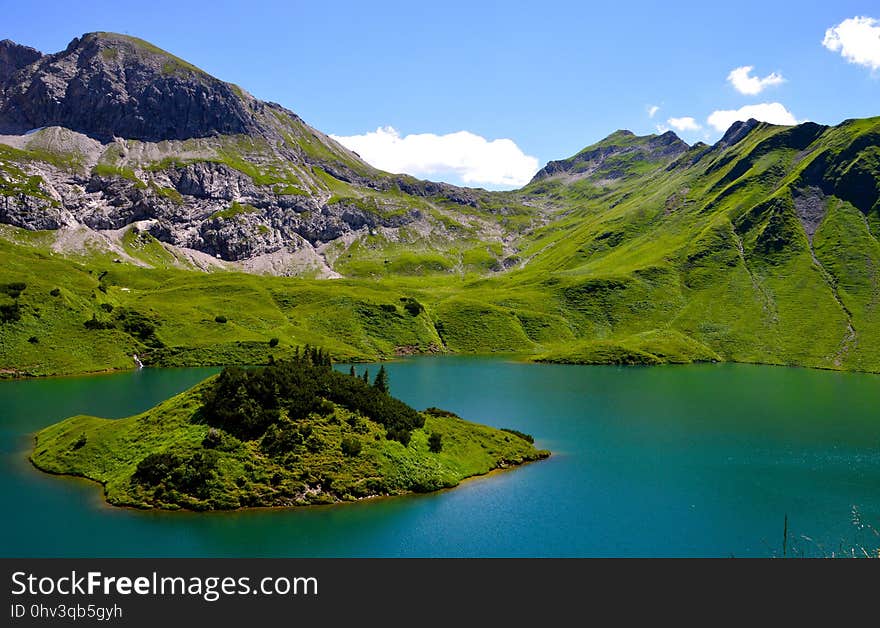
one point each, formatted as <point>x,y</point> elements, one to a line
<point>381,381</point>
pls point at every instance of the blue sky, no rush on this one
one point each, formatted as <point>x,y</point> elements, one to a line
<point>551,77</point>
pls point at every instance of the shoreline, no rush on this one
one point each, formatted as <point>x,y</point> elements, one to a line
<point>508,356</point>
<point>104,503</point>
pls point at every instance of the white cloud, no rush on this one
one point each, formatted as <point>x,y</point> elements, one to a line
<point>661,128</point>
<point>652,110</point>
<point>476,160</point>
<point>684,124</point>
<point>857,39</point>
<point>772,112</point>
<point>744,83</point>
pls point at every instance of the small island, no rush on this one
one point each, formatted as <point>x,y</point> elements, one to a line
<point>292,433</point>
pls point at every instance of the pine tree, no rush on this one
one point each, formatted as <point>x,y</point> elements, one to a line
<point>381,381</point>
<point>366,377</point>
<point>351,371</point>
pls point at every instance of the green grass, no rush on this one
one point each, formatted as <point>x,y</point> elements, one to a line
<point>707,260</point>
<point>236,209</point>
<point>648,348</point>
<point>109,170</point>
<point>172,64</point>
<point>170,193</point>
<point>10,156</point>
<point>143,246</point>
<point>109,451</point>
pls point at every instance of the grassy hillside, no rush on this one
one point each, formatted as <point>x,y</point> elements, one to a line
<point>307,452</point>
<point>762,248</point>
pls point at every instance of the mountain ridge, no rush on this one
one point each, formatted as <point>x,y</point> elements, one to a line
<point>107,85</point>
<point>762,247</point>
<point>200,154</point>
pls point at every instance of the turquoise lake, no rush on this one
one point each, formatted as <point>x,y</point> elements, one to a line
<point>703,460</point>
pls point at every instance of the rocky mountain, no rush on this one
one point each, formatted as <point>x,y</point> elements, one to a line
<point>113,132</point>
<point>13,57</point>
<point>106,85</point>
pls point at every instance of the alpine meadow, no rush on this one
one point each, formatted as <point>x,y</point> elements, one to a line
<point>161,212</point>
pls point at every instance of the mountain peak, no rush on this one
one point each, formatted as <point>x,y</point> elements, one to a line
<point>114,45</point>
<point>624,137</point>
<point>613,157</point>
<point>14,57</point>
<point>109,85</point>
<point>670,135</point>
<point>737,131</point>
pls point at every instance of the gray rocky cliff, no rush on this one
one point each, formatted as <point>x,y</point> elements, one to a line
<point>106,85</point>
<point>13,57</point>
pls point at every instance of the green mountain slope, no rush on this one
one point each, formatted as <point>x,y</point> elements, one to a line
<point>764,250</point>
<point>761,248</point>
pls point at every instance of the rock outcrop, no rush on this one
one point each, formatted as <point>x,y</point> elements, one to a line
<point>13,57</point>
<point>107,85</point>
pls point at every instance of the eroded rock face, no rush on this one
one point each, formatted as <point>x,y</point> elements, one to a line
<point>106,85</point>
<point>32,213</point>
<point>209,180</point>
<point>13,57</point>
<point>206,206</point>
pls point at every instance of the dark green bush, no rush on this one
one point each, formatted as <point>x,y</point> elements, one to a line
<point>439,412</point>
<point>33,340</point>
<point>412,306</point>
<point>14,289</point>
<point>435,443</point>
<point>358,425</point>
<point>10,312</point>
<point>351,446</point>
<point>95,324</point>
<point>155,468</point>
<point>220,319</point>
<point>55,292</point>
<point>273,342</point>
<point>214,438</point>
<point>80,442</point>
<point>526,437</point>
<point>285,438</point>
<point>402,436</point>
<point>315,443</point>
<point>324,407</point>
<point>194,475</point>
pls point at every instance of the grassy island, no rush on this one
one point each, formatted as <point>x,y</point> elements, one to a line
<point>292,433</point>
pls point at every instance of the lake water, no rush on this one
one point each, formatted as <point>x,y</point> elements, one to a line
<point>700,460</point>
